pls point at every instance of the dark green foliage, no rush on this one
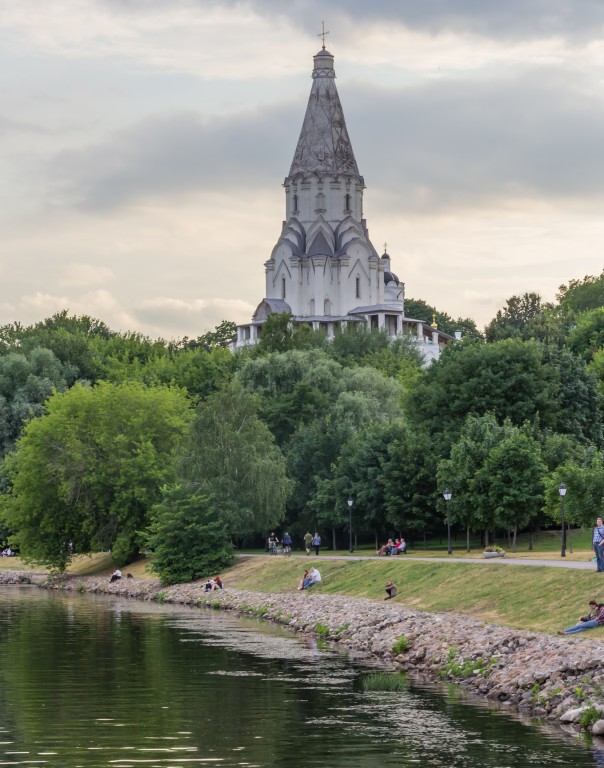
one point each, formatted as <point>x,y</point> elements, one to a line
<point>231,453</point>
<point>222,336</point>
<point>409,482</point>
<point>586,337</point>
<point>86,474</point>
<point>417,309</point>
<point>27,379</point>
<point>522,381</point>
<point>188,536</point>
<point>582,295</point>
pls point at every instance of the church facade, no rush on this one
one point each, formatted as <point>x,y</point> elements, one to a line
<point>324,269</point>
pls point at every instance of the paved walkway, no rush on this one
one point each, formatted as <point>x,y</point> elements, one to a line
<point>496,561</point>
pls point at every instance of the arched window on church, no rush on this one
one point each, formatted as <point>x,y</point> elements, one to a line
<point>327,307</point>
<point>358,287</point>
<point>347,204</point>
<point>283,287</point>
<point>295,204</point>
<point>320,203</point>
<point>312,307</point>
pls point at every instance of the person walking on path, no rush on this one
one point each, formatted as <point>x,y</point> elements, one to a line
<point>307,542</point>
<point>598,544</point>
<point>316,542</point>
<point>594,619</point>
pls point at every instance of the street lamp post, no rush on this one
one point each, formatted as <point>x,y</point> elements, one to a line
<point>447,497</point>
<point>350,503</point>
<point>562,492</point>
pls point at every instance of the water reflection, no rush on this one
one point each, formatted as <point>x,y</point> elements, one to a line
<point>87,681</point>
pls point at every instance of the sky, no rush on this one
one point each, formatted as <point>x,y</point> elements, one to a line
<point>144,144</point>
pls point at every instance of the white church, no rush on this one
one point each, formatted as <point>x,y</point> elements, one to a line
<point>324,270</point>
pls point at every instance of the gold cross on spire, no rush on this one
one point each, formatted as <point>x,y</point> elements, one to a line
<point>385,247</point>
<point>323,34</point>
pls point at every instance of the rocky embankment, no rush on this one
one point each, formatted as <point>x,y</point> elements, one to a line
<point>558,678</point>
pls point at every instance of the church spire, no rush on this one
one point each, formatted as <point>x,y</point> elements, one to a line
<point>324,145</point>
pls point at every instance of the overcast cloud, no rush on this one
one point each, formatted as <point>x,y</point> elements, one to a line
<point>145,143</point>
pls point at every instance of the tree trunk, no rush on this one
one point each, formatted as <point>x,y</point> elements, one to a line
<point>486,538</point>
<point>514,538</point>
<point>377,541</point>
<point>468,538</point>
<point>509,538</point>
<point>570,539</point>
<point>531,540</point>
<point>333,538</point>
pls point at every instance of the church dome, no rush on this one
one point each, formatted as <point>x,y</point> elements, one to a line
<point>390,277</point>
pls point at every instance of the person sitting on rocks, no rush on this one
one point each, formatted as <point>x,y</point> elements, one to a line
<point>209,585</point>
<point>314,577</point>
<point>391,590</point>
<point>595,618</point>
<point>217,583</point>
<point>115,576</point>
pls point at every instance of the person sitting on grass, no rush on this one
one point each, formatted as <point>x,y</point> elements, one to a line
<point>116,575</point>
<point>595,618</point>
<point>391,590</point>
<point>303,579</point>
<point>314,577</point>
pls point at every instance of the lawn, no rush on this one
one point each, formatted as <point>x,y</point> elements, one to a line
<point>527,597</point>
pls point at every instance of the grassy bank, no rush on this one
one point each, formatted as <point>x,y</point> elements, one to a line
<point>526,597</point>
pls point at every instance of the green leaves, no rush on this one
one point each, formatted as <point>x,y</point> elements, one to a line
<point>86,474</point>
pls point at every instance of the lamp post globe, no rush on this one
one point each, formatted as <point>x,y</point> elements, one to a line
<point>447,497</point>
<point>562,492</point>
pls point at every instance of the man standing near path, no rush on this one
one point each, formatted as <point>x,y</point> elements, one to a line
<point>598,544</point>
<point>316,542</point>
<point>307,542</point>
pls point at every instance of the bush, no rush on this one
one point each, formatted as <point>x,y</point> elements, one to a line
<point>384,681</point>
<point>401,645</point>
<point>189,538</point>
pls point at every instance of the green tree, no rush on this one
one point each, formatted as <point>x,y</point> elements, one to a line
<point>511,481</point>
<point>85,475</point>
<point>26,381</point>
<point>584,500</point>
<point>586,338</point>
<point>582,295</point>
<point>515,319</point>
<point>418,309</point>
<point>231,454</point>
<point>409,483</point>
<point>188,536</point>
<point>513,379</point>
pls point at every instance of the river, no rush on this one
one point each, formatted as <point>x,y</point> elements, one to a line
<point>92,681</point>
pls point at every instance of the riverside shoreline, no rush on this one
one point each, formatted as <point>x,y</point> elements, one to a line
<point>555,678</point>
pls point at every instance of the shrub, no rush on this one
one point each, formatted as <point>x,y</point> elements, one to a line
<point>384,681</point>
<point>321,629</point>
<point>588,717</point>
<point>401,645</point>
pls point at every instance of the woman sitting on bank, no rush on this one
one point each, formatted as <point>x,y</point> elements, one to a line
<point>595,618</point>
<point>391,590</point>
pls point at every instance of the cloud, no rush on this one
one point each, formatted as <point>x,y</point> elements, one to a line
<point>192,318</point>
<point>33,307</point>
<point>512,19</point>
<point>178,153</point>
<point>84,274</point>
<point>444,144</point>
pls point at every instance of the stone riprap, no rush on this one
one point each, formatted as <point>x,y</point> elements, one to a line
<point>558,678</point>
